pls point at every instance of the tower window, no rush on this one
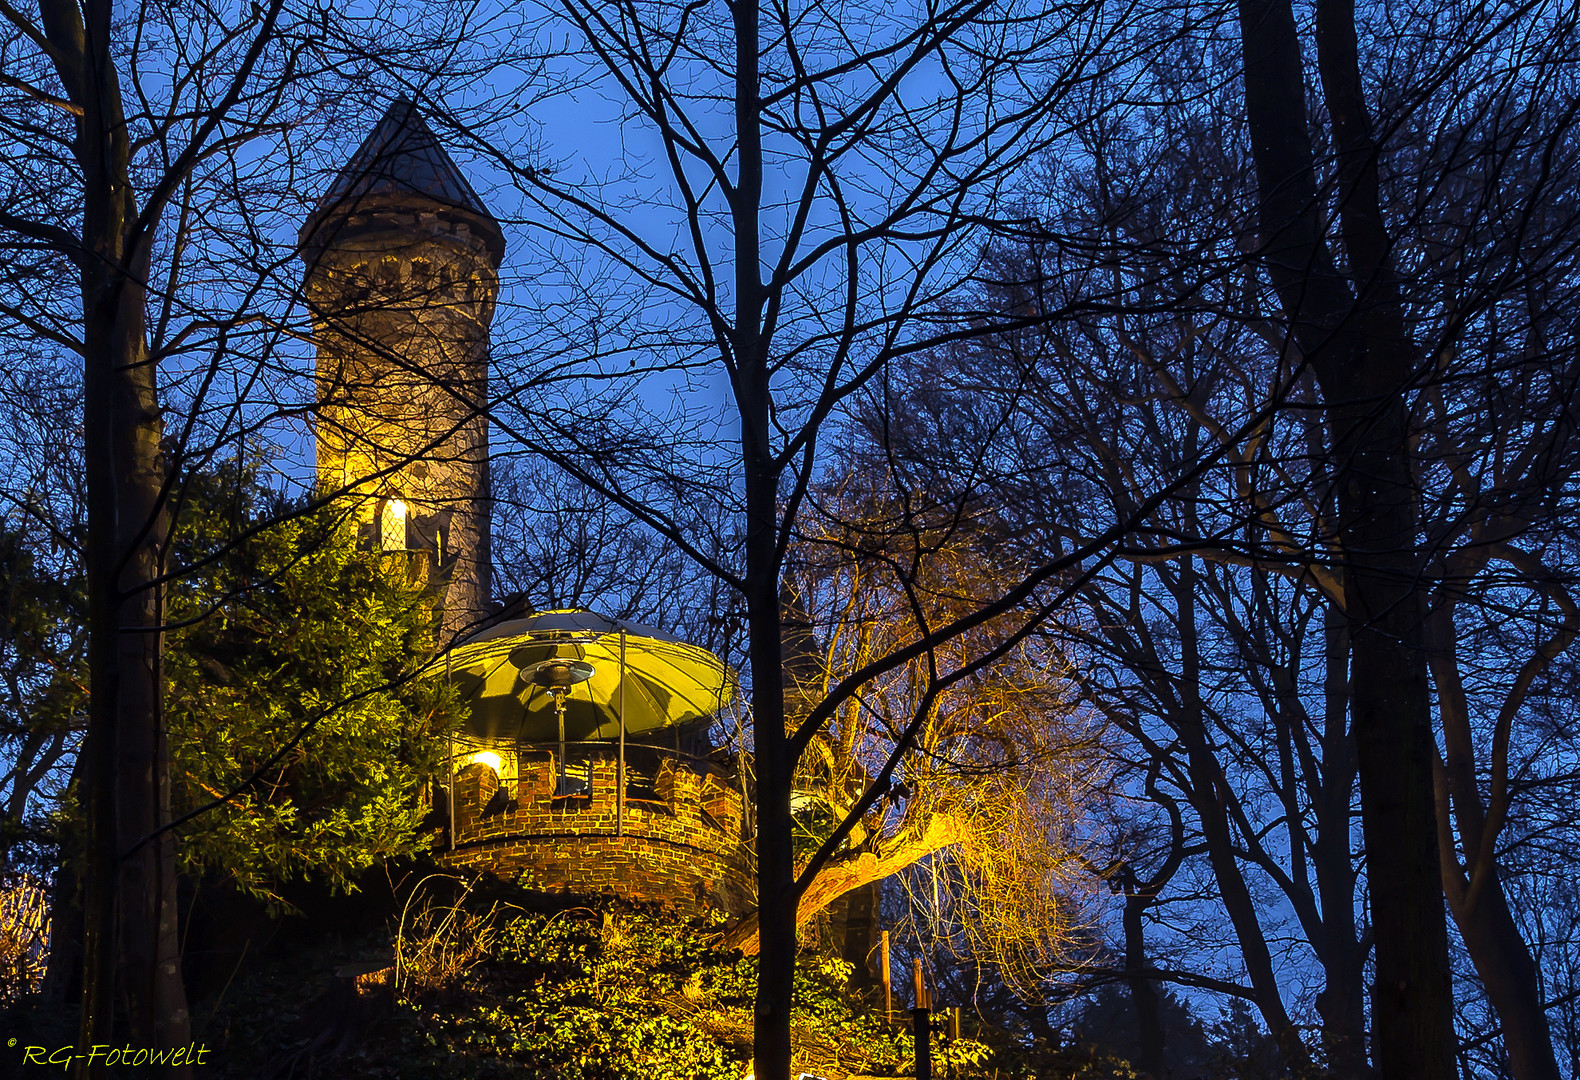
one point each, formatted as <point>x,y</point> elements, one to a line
<point>392,526</point>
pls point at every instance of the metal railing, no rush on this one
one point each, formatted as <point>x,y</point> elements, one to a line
<point>639,771</point>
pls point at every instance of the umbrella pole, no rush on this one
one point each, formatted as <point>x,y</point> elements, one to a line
<point>619,770</point>
<point>559,711</point>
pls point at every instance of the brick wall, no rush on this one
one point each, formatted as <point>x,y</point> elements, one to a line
<point>684,849</point>
<point>402,299</point>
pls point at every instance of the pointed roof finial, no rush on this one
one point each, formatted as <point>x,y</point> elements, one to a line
<point>401,163</point>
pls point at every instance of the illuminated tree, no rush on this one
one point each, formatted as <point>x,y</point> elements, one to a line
<point>806,203</point>
<point>988,775</point>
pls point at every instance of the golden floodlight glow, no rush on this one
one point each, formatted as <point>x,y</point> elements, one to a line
<point>486,757</point>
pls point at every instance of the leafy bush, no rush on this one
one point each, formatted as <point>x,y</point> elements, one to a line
<point>604,992</point>
<point>278,627</point>
<point>617,994</point>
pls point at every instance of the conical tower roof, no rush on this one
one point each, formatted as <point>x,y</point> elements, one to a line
<point>401,165</point>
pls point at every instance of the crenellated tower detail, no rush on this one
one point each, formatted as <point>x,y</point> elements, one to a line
<point>402,276</point>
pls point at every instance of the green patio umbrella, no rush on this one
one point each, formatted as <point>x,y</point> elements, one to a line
<point>651,678</point>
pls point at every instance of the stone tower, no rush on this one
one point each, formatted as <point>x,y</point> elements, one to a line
<point>402,274</point>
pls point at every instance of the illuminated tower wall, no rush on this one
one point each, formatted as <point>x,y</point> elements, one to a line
<point>402,275</point>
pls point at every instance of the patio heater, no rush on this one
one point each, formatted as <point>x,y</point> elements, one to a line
<point>557,676</point>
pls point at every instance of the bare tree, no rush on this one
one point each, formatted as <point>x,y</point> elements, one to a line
<point>813,187</point>
<point>42,661</point>
<point>1452,255</point>
<point>990,795</point>
<point>156,161</point>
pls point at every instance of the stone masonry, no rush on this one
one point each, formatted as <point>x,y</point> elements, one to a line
<point>684,848</point>
<point>402,276</point>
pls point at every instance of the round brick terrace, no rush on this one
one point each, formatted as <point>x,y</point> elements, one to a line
<point>678,839</point>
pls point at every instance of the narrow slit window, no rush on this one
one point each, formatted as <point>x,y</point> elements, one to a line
<point>392,526</point>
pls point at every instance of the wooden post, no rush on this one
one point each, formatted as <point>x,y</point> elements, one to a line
<point>888,988</point>
<point>450,765</point>
<point>920,1017</point>
<point>619,772</point>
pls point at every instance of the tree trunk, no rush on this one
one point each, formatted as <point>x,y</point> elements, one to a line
<point>150,961</point>
<point>1208,795</point>
<point>1358,349</point>
<point>1475,892</point>
<point>1513,984</point>
<point>1412,1003</point>
<point>776,902</point>
<point>842,875</point>
<point>129,923</point>
<point>1144,999</point>
<point>63,971</point>
<point>1342,1002</point>
<point>860,937</point>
